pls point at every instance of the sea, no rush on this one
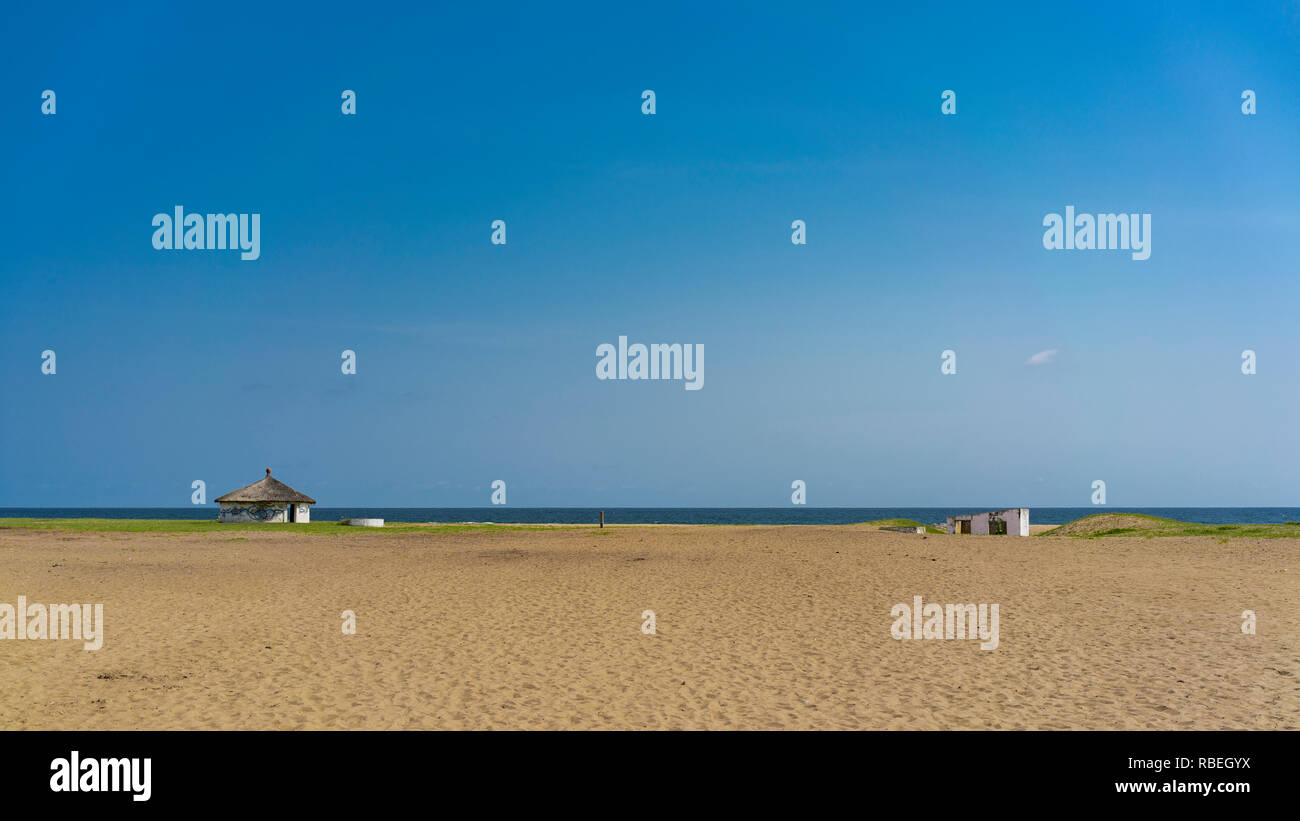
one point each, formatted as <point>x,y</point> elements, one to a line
<point>678,515</point>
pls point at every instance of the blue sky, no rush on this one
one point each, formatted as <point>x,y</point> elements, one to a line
<point>477,362</point>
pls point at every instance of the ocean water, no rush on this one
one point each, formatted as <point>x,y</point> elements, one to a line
<point>678,515</point>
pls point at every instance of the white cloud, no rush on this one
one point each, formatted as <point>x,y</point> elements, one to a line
<point>1043,357</point>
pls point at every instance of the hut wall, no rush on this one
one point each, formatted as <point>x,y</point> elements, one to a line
<point>253,512</point>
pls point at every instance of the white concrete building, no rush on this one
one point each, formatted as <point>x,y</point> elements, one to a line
<point>267,500</point>
<point>1013,521</point>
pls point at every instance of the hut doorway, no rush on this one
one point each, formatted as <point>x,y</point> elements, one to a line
<point>293,509</point>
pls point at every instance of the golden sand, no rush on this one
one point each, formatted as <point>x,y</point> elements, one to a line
<point>757,627</point>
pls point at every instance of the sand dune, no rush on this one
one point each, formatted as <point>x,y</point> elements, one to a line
<point>758,627</point>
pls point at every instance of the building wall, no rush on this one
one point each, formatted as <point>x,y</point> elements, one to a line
<point>303,513</point>
<point>1017,519</point>
<point>252,512</point>
<point>1019,526</point>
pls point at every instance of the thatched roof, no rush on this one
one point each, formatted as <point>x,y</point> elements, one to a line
<point>266,490</point>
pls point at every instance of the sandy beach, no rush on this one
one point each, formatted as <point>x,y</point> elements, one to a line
<point>756,628</point>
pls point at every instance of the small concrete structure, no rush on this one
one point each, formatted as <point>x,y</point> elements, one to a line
<point>364,522</point>
<point>905,529</point>
<point>267,500</point>
<point>1013,521</point>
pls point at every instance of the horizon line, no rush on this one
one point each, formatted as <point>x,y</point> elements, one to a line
<point>213,506</point>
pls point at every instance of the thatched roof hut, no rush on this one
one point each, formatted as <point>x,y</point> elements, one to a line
<point>266,500</point>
